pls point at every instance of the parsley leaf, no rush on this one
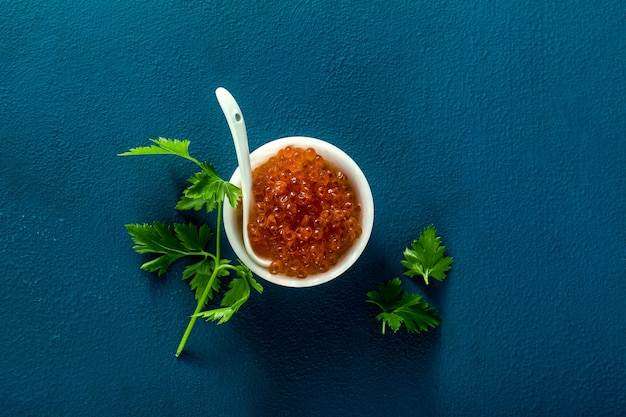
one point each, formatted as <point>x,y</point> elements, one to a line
<point>188,203</point>
<point>399,306</point>
<point>163,146</point>
<point>208,188</point>
<point>200,274</point>
<point>192,237</point>
<point>157,239</point>
<point>169,243</point>
<point>235,297</point>
<point>426,257</point>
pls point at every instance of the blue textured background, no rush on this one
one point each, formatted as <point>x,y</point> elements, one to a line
<point>501,122</point>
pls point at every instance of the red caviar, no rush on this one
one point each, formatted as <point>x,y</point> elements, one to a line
<point>305,215</point>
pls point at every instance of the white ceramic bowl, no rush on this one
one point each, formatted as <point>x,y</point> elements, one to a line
<point>341,161</point>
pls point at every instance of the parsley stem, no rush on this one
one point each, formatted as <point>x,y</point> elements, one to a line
<point>207,290</point>
<point>218,232</point>
<point>194,317</point>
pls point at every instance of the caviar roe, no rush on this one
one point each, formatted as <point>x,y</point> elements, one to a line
<point>305,215</point>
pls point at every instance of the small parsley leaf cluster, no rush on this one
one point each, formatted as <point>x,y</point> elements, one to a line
<point>425,258</point>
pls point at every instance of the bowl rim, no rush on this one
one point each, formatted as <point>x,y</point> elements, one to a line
<point>340,160</point>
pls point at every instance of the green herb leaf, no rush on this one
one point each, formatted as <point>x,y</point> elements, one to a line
<point>207,187</point>
<point>200,273</point>
<point>235,297</point>
<point>194,239</point>
<point>401,307</point>
<point>156,239</point>
<point>163,146</point>
<point>426,257</point>
<point>186,203</point>
<point>170,243</point>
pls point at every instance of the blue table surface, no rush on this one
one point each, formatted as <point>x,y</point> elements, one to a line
<point>502,123</point>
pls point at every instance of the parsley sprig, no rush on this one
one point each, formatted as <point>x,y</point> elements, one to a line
<point>400,306</point>
<point>167,244</point>
<point>425,258</point>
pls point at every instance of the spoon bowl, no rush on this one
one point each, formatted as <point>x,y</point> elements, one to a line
<point>233,222</point>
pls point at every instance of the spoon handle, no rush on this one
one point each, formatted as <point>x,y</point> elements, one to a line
<point>240,137</point>
<point>237,126</point>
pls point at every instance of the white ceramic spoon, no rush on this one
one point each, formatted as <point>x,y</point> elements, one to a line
<point>240,137</point>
